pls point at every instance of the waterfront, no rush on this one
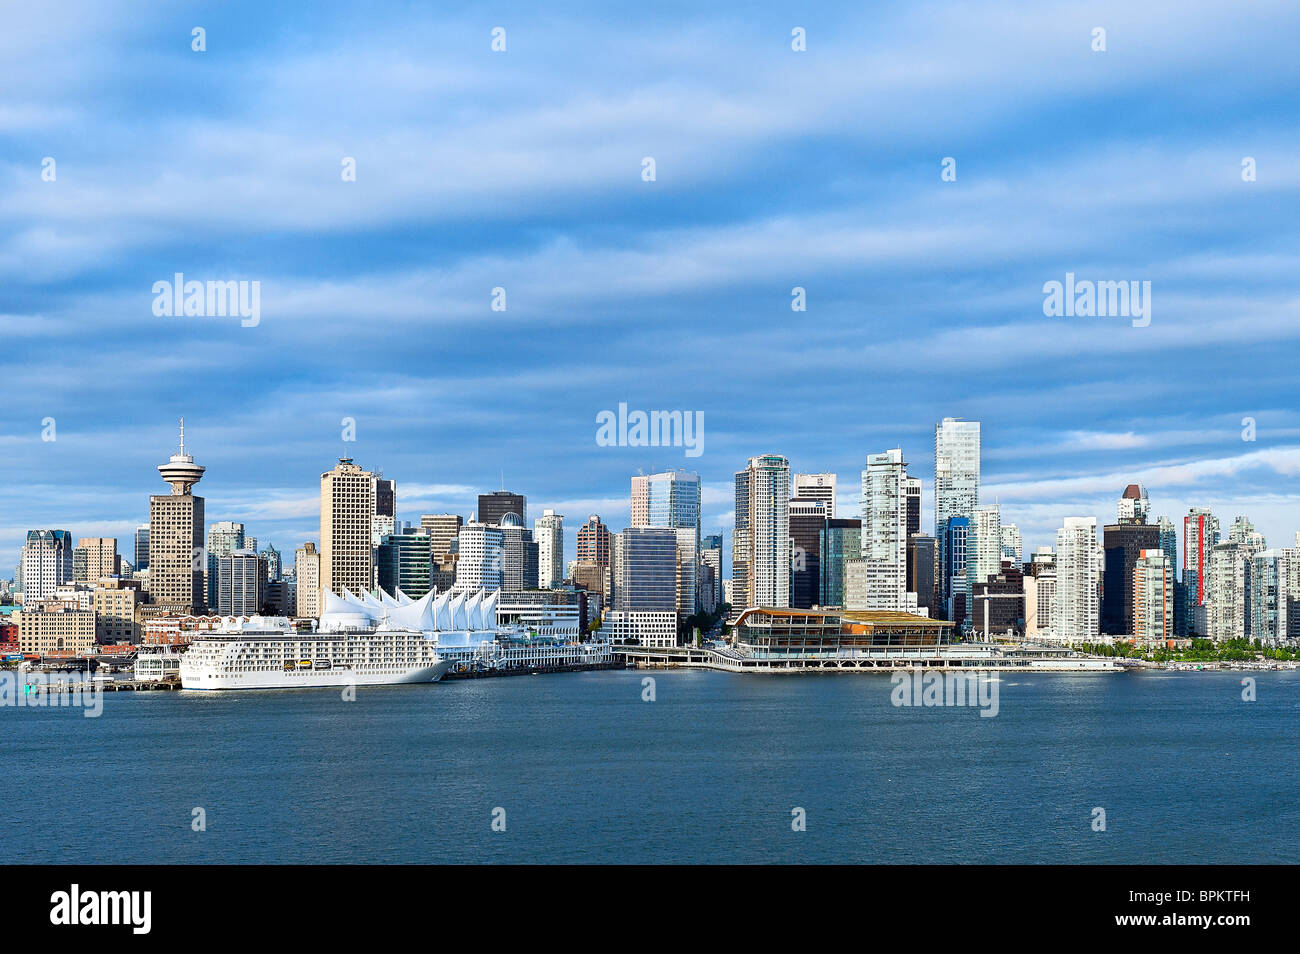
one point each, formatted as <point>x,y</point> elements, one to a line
<point>710,771</point>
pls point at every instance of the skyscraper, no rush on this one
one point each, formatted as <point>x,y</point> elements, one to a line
<point>347,512</point>
<point>884,535</point>
<point>142,548</point>
<point>644,575</point>
<point>384,520</point>
<point>306,572</point>
<point>224,537</point>
<point>807,523</point>
<point>47,563</point>
<point>1200,534</point>
<point>176,562</point>
<point>672,499</point>
<point>760,542</point>
<point>1011,543</point>
<point>480,563</point>
<point>1124,543</point>
<point>1153,596</point>
<point>983,545</point>
<point>912,489</point>
<point>548,531</point>
<point>1133,505</point>
<point>492,507</point>
<point>241,582</point>
<point>956,494</point>
<point>97,557</point>
<point>403,562</point>
<point>815,487</point>
<point>1075,610</point>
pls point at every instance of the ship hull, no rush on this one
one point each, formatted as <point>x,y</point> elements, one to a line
<point>310,679</point>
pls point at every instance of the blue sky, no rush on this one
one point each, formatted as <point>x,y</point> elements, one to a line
<point>522,170</point>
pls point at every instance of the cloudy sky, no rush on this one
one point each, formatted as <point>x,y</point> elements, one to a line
<point>522,170</point>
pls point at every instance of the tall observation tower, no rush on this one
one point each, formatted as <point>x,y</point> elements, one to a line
<point>181,471</point>
<point>177,563</point>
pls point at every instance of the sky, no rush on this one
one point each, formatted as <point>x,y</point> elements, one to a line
<point>523,169</point>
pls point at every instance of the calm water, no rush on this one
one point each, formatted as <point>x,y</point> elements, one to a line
<point>587,772</point>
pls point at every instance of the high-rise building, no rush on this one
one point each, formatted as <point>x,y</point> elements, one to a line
<point>94,558</point>
<point>47,563</point>
<point>480,562</point>
<point>1271,603</point>
<point>594,552</point>
<point>912,490</point>
<point>347,513</point>
<point>1200,534</point>
<point>1228,606</point>
<point>548,531</point>
<point>1040,592</point>
<point>1075,610</point>
<point>807,523</point>
<point>492,507</point>
<point>1011,543</point>
<point>142,548</point>
<point>1124,543</point>
<point>274,569</point>
<point>115,602</point>
<point>224,538</point>
<point>1153,596</point>
<point>815,487</point>
<point>953,552</point>
<point>403,563</point>
<point>884,535</point>
<point>306,572</point>
<point>760,542</point>
<point>841,542</point>
<point>711,556</point>
<point>1169,543</point>
<point>956,494</point>
<point>1243,531</point>
<point>176,562</point>
<point>1133,505</point>
<point>384,520</point>
<point>644,574</point>
<point>241,582</point>
<point>922,568</point>
<point>442,529</point>
<point>998,603</point>
<point>672,499</point>
<point>983,545</point>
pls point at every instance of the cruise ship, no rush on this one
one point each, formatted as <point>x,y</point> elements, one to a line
<point>359,641</point>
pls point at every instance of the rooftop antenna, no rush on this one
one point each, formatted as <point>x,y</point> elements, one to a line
<point>182,437</point>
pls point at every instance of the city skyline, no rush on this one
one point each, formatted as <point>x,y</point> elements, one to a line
<point>848,503</point>
<point>671,293</point>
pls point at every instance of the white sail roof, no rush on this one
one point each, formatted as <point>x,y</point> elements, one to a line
<point>446,613</point>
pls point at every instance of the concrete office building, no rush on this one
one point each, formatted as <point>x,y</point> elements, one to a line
<point>815,487</point>
<point>306,573</point>
<point>347,513</point>
<point>480,560</point>
<point>176,520</point>
<point>494,506</point>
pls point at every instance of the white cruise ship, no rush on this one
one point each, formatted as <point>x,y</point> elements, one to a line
<point>360,641</point>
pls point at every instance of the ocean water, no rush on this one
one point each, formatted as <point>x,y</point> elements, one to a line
<point>710,771</point>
